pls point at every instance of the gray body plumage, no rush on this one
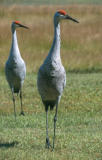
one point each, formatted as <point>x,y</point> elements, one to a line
<point>51,81</point>
<point>15,70</point>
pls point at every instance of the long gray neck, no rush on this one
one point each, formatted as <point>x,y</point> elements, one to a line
<point>14,52</point>
<point>55,49</point>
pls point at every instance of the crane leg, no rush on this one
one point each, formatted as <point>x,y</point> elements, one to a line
<point>47,137</point>
<point>55,119</point>
<point>22,112</point>
<point>13,98</point>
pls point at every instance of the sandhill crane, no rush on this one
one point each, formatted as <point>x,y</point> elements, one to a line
<point>15,68</point>
<point>51,75</point>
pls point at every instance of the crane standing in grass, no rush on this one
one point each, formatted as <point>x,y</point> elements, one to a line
<point>15,68</point>
<point>52,76</point>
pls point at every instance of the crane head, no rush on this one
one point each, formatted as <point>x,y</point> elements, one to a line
<point>17,24</point>
<point>61,14</point>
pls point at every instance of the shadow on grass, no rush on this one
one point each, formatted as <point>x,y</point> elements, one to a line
<point>8,144</point>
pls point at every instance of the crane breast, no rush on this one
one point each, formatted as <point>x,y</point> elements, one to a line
<point>51,84</point>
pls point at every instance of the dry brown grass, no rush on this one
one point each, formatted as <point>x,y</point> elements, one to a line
<point>81,43</point>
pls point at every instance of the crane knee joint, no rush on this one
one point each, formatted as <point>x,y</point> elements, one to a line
<point>47,140</point>
<point>13,99</point>
<point>55,119</point>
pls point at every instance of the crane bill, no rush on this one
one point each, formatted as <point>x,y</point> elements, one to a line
<point>70,18</point>
<point>23,26</point>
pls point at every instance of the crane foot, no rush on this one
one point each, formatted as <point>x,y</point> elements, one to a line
<point>48,145</point>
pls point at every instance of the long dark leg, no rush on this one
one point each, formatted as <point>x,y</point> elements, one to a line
<point>22,112</point>
<point>13,98</point>
<point>47,137</point>
<point>55,119</point>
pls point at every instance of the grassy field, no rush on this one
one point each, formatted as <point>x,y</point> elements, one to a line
<point>79,126</point>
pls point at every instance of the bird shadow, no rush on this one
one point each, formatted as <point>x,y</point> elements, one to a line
<point>8,144</point>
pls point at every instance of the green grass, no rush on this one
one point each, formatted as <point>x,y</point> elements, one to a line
<point>79,125</point>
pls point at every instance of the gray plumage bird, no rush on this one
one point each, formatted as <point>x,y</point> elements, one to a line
<point>52,76</point>
<point>15,68</point>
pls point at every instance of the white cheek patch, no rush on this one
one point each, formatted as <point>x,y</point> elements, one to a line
<point>16,25</point>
